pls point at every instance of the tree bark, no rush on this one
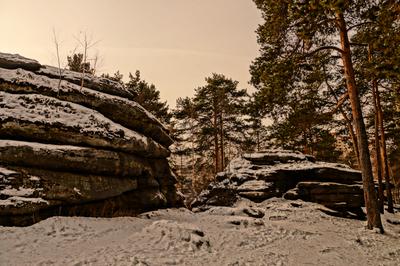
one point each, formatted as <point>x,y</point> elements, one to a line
<point>216,148</point>
<point>384,158</point>
<point>221,129</point>
<point>378,150</point>
<point>378,161</point>
<point>373,215</point>
<point>348,122</point>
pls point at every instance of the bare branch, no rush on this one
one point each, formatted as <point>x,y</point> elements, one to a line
<point>58,57</point>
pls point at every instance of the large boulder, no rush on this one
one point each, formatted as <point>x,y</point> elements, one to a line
<point>73,159</point>
<point>101,84</point>
<point>334,195</point>
<point>14,61</point>
<point>293,175</point>
<point>123,111</point>
<point>68,149</point>
<point>44,119</point>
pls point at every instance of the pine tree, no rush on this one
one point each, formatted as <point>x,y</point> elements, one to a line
<point>378,58</point>
<point>143,93</point>
<point>297,31</point>
<point>118,77</point>
<point>210,129</point>
<point>148,96</point>
<point>76,63</point>
<point>219,105</point>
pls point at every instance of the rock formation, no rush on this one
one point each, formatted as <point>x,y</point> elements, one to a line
<point>293,175</point>
<point>68,149</point>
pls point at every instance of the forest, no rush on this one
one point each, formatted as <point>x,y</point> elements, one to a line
<point>327,83</point>
<point>299,166</point>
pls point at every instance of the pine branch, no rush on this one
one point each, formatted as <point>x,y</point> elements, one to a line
<point>329,47</point>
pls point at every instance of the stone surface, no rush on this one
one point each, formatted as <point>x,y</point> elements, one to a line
<point>55,187</point>
<point>45,119</point>
<point>105,85</point>
<point>13,61</point>
<point>334,195</point>
<point>73,159</point>
<point>293,175</point>
<point>123,111</point>
<point>67,149</point>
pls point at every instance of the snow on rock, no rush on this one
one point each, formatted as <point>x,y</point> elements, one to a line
<point>290,233</point>
<point>96,83</point>
<point>277,173</point>
<point>19,201</point>
<point>13,61</point>
<point>68,148</point>
<point>47,119</point>
<point>73,158</point>
<point>6,172</point>
<point>128,113</point>
<point>21,191</point>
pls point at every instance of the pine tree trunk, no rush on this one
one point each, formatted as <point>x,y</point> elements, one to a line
<point>384,153</point>
<point>373,215</point>
<point>374,85</point>
<point>216,147</point>
<point>221,132</point>
<point>353,137</point>
<point>348,123</point>
<point>378,151</point>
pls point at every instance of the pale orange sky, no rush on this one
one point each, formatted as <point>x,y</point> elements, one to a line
<point>174,43</point>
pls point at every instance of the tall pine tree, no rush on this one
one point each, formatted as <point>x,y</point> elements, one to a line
<point>295,32</point>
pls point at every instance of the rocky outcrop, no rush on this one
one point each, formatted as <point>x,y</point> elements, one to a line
<point>121,110</point>
<point>68,149</point>
<point>14,61</point>
<point>288,174</point>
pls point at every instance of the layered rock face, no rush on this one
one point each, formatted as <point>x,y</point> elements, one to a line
<point>68,149</point>
<point>293,175</point>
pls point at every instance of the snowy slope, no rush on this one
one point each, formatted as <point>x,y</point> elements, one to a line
<point>290,233</point>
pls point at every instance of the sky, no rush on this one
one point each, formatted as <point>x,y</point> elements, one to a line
<point>174,43</point>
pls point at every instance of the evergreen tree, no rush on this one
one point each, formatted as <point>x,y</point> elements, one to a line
<point>118,77</point>
<point>294,35</point>
<point>76,63</point>
<point>145,94</point>
<point>219,105</point>
<point>148,96</point>
<point>209,128</point>
<point>378,59</point>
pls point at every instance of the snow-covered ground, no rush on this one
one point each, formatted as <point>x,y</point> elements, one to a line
<point>290,233</point>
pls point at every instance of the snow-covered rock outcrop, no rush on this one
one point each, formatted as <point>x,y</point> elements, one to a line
<point>293,175</point>
<point>68,149</point>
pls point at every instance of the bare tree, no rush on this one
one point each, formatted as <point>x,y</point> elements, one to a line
<point>86,44</point>
<point>57,46</point>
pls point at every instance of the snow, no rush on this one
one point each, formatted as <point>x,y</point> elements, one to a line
<point>6,172</point>
<point>43,109</point>
<point>242,165</point>
<point>21,191</point>
<point>275,153</point>
<point>17,59</point>
<point>290,233</point>
<point>77,191</point>
<point>36,146</point>
<point>77,77</point>
<point>23,77</point>
<point>16,201</point>
<point>34,178</point>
